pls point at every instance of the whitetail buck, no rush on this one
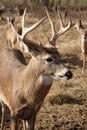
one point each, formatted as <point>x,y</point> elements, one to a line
<point>23,88</point>
<point>83,33</point>
<point>12,39</point>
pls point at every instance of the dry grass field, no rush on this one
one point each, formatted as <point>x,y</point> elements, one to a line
<point>65,107</point>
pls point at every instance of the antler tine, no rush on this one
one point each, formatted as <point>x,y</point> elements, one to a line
<point>63,28</point>
<point>60,18</point>
<point>23,18</point>
<point>52,25</point>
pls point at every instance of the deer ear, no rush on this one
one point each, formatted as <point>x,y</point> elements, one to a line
<point>11,20</point>
<point>8,19</point>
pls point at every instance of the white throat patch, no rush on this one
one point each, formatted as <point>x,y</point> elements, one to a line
<point>46,80</point>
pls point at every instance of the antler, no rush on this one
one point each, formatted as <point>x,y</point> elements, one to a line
<point>26,30</point>
<point>62,30</point>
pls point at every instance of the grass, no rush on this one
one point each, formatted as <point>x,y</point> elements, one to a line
<point>63,99</point>
<point>65,85</point>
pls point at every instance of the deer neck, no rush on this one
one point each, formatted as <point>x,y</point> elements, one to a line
<point>37,83</point>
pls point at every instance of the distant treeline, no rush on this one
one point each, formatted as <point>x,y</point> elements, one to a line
<point>54,3</point>
<point>78,4</point>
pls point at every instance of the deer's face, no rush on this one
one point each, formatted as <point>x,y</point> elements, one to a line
<point>53,66</point>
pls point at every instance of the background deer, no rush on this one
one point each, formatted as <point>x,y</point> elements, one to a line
<point>11,37</point>
<point>83,34</point>
<point>23,88</point>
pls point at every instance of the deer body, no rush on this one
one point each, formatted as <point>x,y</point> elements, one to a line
<point>11,37</point>
<point>84,48</point>
<point>83,34</point>
<point>84,41</point>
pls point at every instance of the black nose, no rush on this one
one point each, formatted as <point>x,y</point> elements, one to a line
<point>69,74</point>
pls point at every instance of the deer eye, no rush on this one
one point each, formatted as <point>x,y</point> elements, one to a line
<point>49,59</point>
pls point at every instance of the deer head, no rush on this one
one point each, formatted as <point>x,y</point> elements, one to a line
<point>38,48</point>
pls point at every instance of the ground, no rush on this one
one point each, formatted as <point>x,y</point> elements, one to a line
<point>65,107</point>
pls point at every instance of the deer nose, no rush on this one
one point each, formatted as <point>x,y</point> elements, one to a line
<point>69,74</point>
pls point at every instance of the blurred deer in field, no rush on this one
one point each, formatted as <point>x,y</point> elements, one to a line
<point>83,33</point>
<point>20,10</point>
<point>23,88</point>
<point>11,37</point>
